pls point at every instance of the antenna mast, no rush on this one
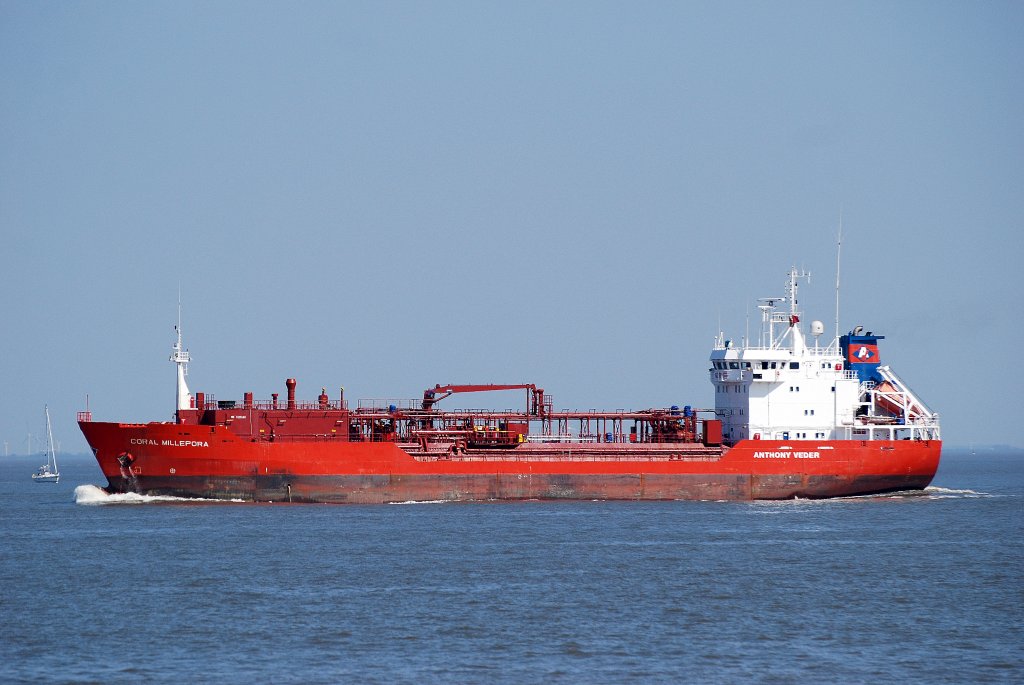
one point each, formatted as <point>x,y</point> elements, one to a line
<point>839,252</point>
<point>746,337</point>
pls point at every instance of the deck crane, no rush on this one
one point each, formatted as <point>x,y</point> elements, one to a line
<point>534,398</point>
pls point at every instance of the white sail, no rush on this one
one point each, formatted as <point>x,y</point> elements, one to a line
<point>48,473</point>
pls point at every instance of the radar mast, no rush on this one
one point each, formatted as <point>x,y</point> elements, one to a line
<point>181,358</point>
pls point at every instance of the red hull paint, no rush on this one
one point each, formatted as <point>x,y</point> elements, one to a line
<point>213,462</point>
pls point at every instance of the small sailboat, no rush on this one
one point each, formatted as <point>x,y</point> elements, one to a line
<point>48,473</point>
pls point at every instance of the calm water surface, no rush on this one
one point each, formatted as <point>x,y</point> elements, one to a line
<point>926,588</point>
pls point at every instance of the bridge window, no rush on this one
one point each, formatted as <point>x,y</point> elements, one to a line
<point>794,365</point>
<point>734,365</point>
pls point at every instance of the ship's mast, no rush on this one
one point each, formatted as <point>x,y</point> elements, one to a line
<point>798,343</point>
<point>839,252</point>
<point>181,358</point>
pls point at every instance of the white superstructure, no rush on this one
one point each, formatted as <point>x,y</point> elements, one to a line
<point>789,388</point>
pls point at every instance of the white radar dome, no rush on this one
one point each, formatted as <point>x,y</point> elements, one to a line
<point>817,328</point>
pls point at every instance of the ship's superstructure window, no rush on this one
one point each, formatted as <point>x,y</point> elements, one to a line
<point>794,365</point>
<point>734,365</point>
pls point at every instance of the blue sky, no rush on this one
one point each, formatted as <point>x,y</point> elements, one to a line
<point>384,196</point>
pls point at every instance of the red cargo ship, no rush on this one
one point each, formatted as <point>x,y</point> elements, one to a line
<point>790,420</point>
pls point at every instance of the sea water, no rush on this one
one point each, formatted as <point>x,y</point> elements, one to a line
<point>925,587</point>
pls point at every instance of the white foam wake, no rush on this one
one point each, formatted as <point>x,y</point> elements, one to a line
<point>92,495</point>
<point>929,493</point>
<point>424,501</point>
<point>937,492</point>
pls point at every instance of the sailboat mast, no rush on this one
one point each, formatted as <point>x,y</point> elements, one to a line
<point>51,454</point>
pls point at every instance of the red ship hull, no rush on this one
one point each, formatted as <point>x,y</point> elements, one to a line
<point>213,462</point>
